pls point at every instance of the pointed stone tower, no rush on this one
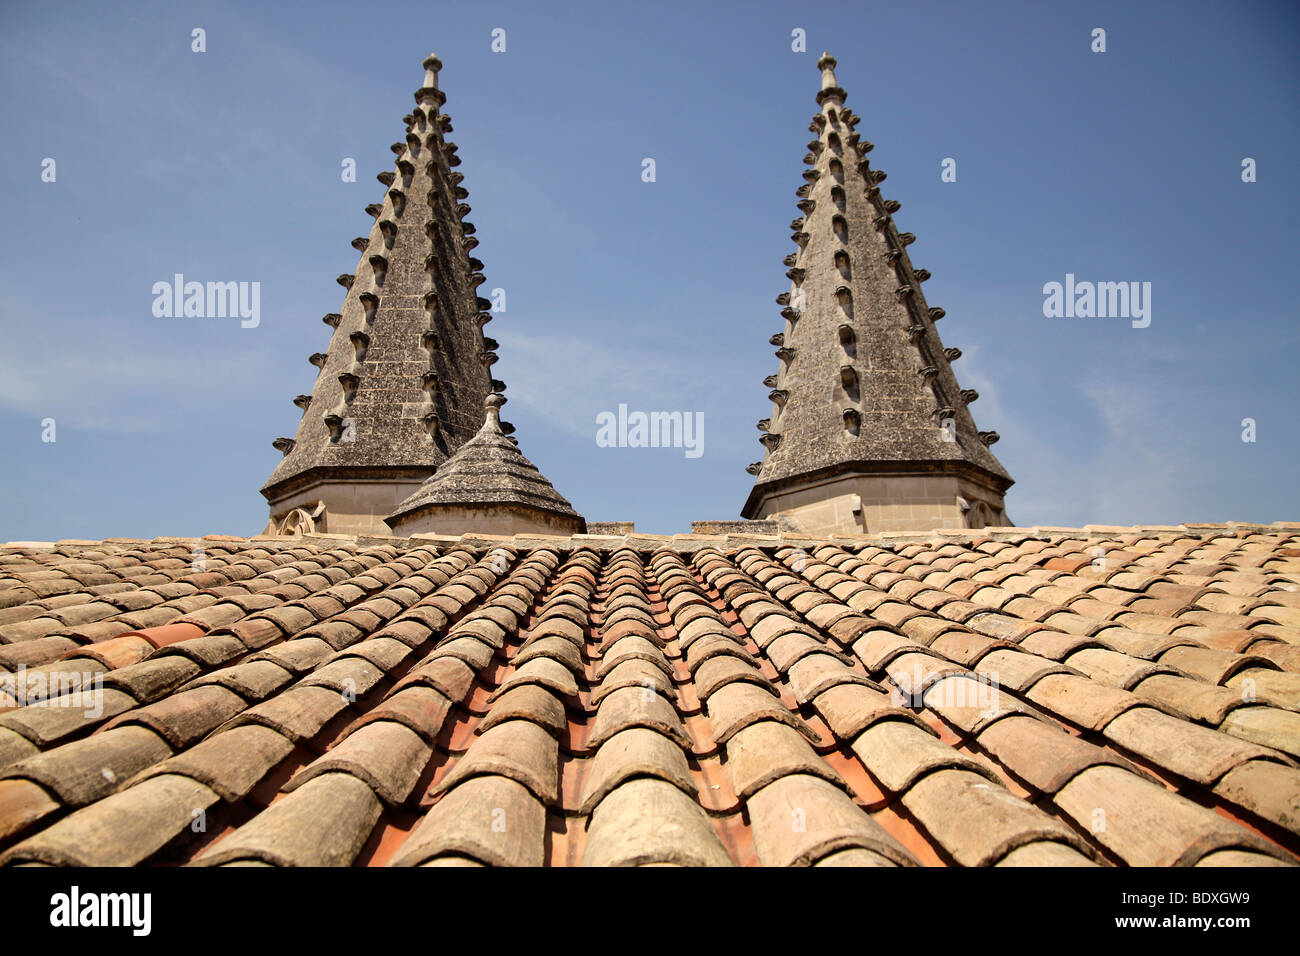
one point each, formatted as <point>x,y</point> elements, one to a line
<point>869,430</point>
<point>402,383</point>
<point>487,487</point>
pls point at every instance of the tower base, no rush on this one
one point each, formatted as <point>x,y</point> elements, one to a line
<point>856,503</point>
<point>341,506</point>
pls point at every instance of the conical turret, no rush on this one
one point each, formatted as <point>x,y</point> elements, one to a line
<point>403,381</point>
<point>487,487</point>
<point>869,429</point>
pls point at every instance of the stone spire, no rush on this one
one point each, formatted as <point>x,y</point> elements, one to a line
<point>402,383</point>
<point>869,429</point>
<point>487,487</point>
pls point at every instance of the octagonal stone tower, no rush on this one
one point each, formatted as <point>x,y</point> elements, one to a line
<point>869,430</point>
<point>402,384</point>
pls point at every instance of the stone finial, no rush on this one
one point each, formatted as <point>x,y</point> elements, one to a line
<point>492,406</point>
<point>428,96</point>
<point>827,65</point>
<point>830,87</point>
<point>431,67</point>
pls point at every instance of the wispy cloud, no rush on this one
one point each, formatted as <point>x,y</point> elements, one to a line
<point>104,377</point>
<point>78,390</point>
<point>568,379</point>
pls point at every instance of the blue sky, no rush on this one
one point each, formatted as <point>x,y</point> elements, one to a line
<point>1121,166</point>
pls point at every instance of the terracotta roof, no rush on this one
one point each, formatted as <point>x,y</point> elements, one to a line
<point>1118,696</point>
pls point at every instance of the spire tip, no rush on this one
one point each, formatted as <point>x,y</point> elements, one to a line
<point>431,67</point>
<point>830,86</point>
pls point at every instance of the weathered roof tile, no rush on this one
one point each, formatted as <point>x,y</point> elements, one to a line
<point>387,755</point>
<point>1143,823</point>
<point>86,770</point>
<point>490,819</point>
<point>799,820</point>
<point>636,752</point>
<point>325,822</point>
<point>518,749</point>
<point>123,829</point>
<point>230,763</point>
<point>1043,755</point>
<point>766,751</point>
<point>648,820</point>
<point>979,822</point>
